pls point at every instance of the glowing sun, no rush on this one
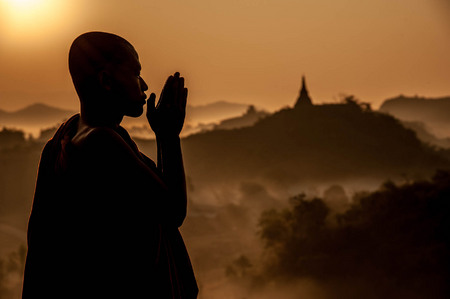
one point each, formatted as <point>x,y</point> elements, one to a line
<point>31,16</point>
<point>23,3</point>
<point>24,8</point>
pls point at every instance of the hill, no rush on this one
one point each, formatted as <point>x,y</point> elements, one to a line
<point>319,143</point>
<point>36,115</point>
<point>214,112</point>
<point>332,142</point>
<point>432,112</point>
<point>248,119</point>
<point>423,133</point>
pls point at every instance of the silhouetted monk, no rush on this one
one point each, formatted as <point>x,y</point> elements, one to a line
<point>105,218</point>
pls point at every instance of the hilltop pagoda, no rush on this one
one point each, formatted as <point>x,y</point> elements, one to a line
<point>303,99</point>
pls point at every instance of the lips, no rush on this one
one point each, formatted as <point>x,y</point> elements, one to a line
<point>144,98</point>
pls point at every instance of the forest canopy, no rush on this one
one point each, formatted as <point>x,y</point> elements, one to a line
<point>392,243</point>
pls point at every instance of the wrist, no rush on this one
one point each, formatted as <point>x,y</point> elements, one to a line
<point>167,137</point>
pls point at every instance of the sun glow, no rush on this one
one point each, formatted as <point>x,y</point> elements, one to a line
<point>28,18</point>
<point>23,3</point>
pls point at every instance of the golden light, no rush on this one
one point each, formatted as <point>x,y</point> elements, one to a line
<point>23,3</point>
<point>30,18</point>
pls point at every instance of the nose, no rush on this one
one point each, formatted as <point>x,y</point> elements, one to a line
<point>144,85</point>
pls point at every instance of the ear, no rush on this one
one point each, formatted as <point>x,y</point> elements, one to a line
<point>105,80</point>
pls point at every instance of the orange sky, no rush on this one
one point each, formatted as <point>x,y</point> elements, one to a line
<point>249,51</point>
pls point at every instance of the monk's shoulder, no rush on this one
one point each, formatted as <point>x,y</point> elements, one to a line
<point>97,137</point>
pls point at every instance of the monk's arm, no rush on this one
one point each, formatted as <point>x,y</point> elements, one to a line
<point>170,163</point>
<point>167,119</point>
<point>111,156</point>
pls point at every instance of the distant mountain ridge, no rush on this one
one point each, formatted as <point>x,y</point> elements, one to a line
<point>41,116</point>
<point>433,112</point>
<point>214,112</point>
<point>37,114</point>
<point>248,119</point>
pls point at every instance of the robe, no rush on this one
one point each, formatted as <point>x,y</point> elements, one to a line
<point>92,234</point>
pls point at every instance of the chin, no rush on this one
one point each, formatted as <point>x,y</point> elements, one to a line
<point>135,112</point>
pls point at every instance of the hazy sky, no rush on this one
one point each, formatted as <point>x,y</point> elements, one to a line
<point>249,51</point>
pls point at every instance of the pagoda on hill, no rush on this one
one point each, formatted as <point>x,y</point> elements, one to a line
<point>303,99</point>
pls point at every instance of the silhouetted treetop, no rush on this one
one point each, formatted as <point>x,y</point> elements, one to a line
<point>392,243</point>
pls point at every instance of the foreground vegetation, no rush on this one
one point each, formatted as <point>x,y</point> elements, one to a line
<point>391,243</point>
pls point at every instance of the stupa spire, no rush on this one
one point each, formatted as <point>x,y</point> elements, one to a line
<point>303,98</point>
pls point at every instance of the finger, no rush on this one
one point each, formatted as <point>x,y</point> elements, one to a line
<point>184,100</point>
<point>151,104</point>
<point>169,79</point>
<point>169,83</point>
<point>176,87</point>
<point>181,85</point>
<point>179,93</point>
<point>159,100</point>
<point>172,91</point>
<point>166,92</point>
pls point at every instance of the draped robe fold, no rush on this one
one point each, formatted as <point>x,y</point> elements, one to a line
<point>92,235</point>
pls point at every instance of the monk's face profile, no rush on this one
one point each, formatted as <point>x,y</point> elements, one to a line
<point>127,88</point>
<point>105,70</point>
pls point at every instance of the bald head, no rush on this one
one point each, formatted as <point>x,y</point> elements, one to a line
<point>93,52</point>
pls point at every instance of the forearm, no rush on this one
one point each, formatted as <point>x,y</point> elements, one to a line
<point>170,162</point>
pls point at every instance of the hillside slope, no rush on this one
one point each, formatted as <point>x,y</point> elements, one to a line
<point>432,112</point>
<point>39,115</point>
<point>317,143</point>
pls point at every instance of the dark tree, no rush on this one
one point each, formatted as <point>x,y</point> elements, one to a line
<point>392,243</point>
